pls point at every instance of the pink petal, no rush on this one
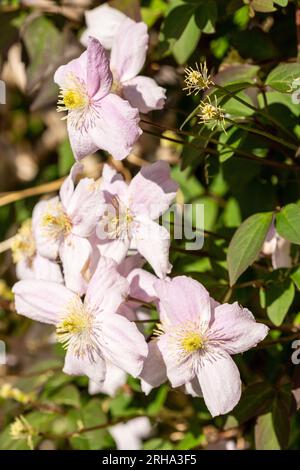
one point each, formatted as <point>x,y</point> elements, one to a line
<point>46,270</point>
<point>183,299</point>
<point>144,94</point>
<point>107,289</point>
<point>234,328</point>
<point>102,23</point>
<point>46,246</point>
<point>117,129</point>
<point>99,77</point>
<point>68,186</point>
<point>39,268</point>
<point>130,263</point>
<point>281,257</point>
<point>110,174</point>
<point>179,369</point>
<point>116,249</point>
<point>129,50</point>
<point>114,379</point>
<point>141,284</point>
<point>128,436</point>
<point>82,366</point>
<point>193,388</point>
<point>41,300</point>
<point>148,236</point>
<point>76,67</point>
<point>81,142</point>
<point>154,371</point>
<point>220,382</point>
<point>123,344</point>
<point>75,255</point>
<point>153,187</point>
<point>85,207</point>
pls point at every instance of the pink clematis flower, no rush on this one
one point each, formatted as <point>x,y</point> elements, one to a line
<point>103,23</point>
<point>129,436</point>
<point>97,118</point>
<point>196,338</point>
<point>29,263</point>
<point>130,214</point>
<point>90,330</point>
<point>128,55</point>
<point>278,248</point>
<point>61,224</point>
<point>114,379</point>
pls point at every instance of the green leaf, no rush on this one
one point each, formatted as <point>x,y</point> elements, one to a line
<point>281,78</point>
<point>263,6</point>
<point>68,395</point>
<point>41,38</point>
<point>186,44</point>
<point>278,299</point>
<point>281,416</point>
<point>177,20</point>
<point>288,223</point>
<point>206,16</point>
<point>281,3</point>
<point>158,401</point>
<point>246,244</point>
<point>295,276</point>
<point>90,415</point>
<point>256,399</point>
<point>265,436</point>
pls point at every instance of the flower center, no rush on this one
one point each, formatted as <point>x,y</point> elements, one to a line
<point>209,112</point>
<point>55,222</point>
<point>73,96</point>
<point>197,79</point>
<point>23,245</point>
<point>117,220</point>
<point>192,342</point>
<point>78,330</point>
<point>74,99</point>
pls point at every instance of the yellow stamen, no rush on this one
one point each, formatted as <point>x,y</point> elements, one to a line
<point>192,342</point>
<point>23,245</point>
<point>73,99</point>
<point>56,222</point>
<point>211,113</point>
<point>74,324</point>
<point>197,79</point>
<point>21,429</point>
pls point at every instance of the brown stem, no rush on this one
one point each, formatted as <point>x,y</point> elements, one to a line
<point>14,196</point>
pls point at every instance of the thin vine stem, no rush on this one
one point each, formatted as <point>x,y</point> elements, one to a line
<point>241,153</point>
<point>262,133</point>
<point>257,110</point>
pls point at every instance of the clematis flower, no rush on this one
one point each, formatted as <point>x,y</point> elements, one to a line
<point>103,23</point>
<point>131,211</point>
<point>278,248</point>
<point>61,224</point>
<point>29,263</point>
<point>129,436</point>
<point>195,340</point>
<point>128,55</point>
<point>90,330</point>
<point>114,379</point>
<point>97,118</point>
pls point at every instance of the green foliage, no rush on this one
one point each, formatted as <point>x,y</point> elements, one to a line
<point>288,223</point>
<point>246,244</point>
<point>246,175</point>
